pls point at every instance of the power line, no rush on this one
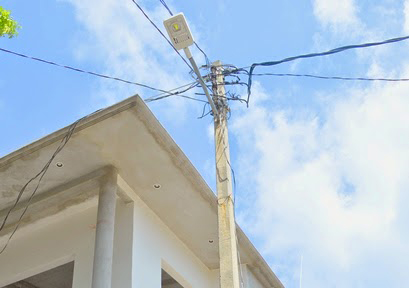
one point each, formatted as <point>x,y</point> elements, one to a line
<point>208,62</point>
<point>40,175</point>
<point>312,55</point>
<point>171,90</point>
<point>332,77</point>
<point>177,93</point>
<point>166,6</point>
<point>161,33</point>
<point>81,71</point>
<point>89,72</point>
<point>167,93</point>
<point>197,45</point>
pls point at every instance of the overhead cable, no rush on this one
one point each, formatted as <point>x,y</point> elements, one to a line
<point>332,77</point>
<point>40,175</point>
<point>161,33</point>
<point>303,56</point>
<point>166,6</point>
<point>177,93</point>
<point>171,90</point>
<point>86,72</point>
<point>208,63</point>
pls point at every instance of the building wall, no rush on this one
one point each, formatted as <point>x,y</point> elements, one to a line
<point>49,245</point>
<point>156,247</point>
<point>143,245</point>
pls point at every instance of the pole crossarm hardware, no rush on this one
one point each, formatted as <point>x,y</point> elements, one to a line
<point>219,93</point>
<point>201,81</point>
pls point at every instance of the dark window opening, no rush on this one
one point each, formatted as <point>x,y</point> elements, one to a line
<point>168,281</point>
<point>60,277</point>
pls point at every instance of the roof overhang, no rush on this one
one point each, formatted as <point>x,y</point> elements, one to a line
<point>128,136</point>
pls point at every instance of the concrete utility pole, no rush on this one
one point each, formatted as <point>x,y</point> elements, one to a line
<point>181,37</point>
<point>229,264</point>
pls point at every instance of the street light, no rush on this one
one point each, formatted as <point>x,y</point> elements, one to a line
<point>181,37</point>
<point>179,31</point>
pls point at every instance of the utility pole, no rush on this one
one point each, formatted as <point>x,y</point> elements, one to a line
<point>182,38</point>
<point>229,264</point>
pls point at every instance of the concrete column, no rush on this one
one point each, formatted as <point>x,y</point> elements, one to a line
<point>104,238</point>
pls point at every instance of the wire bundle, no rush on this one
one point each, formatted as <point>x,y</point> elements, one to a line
<point>312,55</point>
<point>40,175</point>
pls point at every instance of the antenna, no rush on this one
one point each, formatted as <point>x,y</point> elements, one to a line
<point>301,270</point>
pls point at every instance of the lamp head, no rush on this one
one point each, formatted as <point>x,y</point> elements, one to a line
<point>178,31</point>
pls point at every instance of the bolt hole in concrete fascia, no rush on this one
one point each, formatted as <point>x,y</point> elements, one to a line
<point>59,164</point>
<point>157,186</point>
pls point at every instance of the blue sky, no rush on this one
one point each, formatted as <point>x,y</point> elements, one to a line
<point>321,165</point>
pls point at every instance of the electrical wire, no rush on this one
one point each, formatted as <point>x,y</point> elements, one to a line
<point>40,175</point>
<point>171,90</point>
<point>161,33</point>
<point>332,77</point>
<point>208,62</point>
<point>167,93</point>
<point>177,93</point>
<point>204,113</point>
<point>166,6</point>
<point>83,71</point>
<point>233,97</point>
<point>312,55</point>
<point>164,92</point>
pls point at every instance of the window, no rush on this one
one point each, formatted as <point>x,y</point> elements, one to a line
<point>60,277</point>
<point>168,281</point>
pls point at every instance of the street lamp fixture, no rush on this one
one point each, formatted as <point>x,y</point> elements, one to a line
<point>181,37</point>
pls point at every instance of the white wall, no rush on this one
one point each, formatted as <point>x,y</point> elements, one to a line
<point>35,251</point>
<point>156,247</point>
<point>143,245</point>
<point>123,245</point>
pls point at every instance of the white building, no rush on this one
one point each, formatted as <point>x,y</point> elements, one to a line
<point>165,232</point>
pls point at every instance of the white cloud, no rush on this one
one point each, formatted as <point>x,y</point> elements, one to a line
<point>336,12</point>
<point>333,189</point>
<point>119,38</point>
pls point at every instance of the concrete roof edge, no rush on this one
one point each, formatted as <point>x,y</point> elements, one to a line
<point>86,121</point>
<point>153,124</point>
<point>264,271</point>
